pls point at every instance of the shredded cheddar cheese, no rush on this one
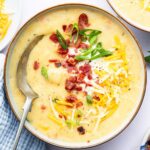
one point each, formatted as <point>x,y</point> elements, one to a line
<point>4,21</point>
<point>114,78</point>
<point>57,121</point>
<point>145,4</point>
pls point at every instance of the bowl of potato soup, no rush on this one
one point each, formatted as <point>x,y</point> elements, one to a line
<point>88,71</point>
<point>135,12</point>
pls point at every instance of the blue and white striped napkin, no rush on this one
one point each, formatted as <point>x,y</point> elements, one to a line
<point>9,124</point>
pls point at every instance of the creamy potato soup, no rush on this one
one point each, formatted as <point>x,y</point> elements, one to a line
<point>87,71</point>
<point>136,10</point>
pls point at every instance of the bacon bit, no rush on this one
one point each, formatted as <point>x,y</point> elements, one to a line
<point>43,107</point>
<point>76,45</point>
<point>69,85</point>
<point>36,65</point>
<point>83,46</point>
<point>96,97</point>
<point>79,104</point>
<point>60,116</point>
<point>56,61</point>
<point>69,28</point>
<point>53,60</point>
<point>83,21</point>
<point>64,27</point>
<point>88,84</point>
<point>64,64</point>
<point>80,77</point>
<point>72,79</point>
<point>81,130</point>
<point>78,88</point>
<point>85,69</point>
<point>54,38</point>
<point>72,69</point>
<point>62,51</point>
<point>68,42</point>
<point>65,117</point>
<point>58,64</point>
<point>71,61</point>
<point>71,99</point>
<point>89,76</point>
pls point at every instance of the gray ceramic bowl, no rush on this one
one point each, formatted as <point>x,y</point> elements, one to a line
<point>37,133</point>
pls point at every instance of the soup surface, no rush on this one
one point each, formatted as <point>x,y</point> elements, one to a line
<point>87,71</point>
<point>136,10</point>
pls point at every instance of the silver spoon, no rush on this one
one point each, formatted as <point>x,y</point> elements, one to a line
<point>23,85</point>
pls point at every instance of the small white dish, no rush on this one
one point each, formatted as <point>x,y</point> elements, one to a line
<point>14,8</point>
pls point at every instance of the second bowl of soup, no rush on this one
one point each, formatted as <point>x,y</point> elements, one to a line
<point>135,12</point>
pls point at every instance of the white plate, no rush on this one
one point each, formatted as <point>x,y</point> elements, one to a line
<point>13,7</point>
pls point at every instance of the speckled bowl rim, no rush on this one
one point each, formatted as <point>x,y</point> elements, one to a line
<point>61,143</point>
<point>127,19</point>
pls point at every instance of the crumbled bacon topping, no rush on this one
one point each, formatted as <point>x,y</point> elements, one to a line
<point>71,99</point>
<point>54,38</point>
<point>71,61</point>
<point>81,130</point>
<point>89,76</point>
<point>36,65</point>
<point>78,88</point>
<point>85,69</point>
<point>69,85</point>
<point>53,60</point>
<point>64,27</point>
<point>69,28</point>
<point>73,79</point>
<point>77,44</point>
<point>62,51</point>
<point>83,46</point>
<point>96,97</point>
<point>43,107</point>
<point>79,104</point>
<point>83,21</point>
<point>80,77</point>
<point>72,69</point>
<point>56,62</point>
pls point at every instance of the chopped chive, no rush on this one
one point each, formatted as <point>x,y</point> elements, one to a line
<point>61,40</point>
<point>75,34</point>
<point>89,99</point>
<point>44,72</point>
<point>147,59</point>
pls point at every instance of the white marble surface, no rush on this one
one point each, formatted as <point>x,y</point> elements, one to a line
<point>130,138</point>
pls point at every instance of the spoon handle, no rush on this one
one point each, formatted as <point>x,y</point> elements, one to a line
<point>26,109</point>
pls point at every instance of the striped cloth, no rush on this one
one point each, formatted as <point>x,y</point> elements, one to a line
<point>9,125</point>
<point>143,147</point>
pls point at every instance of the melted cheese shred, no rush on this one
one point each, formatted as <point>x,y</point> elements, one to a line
<point>145,4</point>
<point>114,77</point>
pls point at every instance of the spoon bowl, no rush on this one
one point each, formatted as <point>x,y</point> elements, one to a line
<point>23,85</point>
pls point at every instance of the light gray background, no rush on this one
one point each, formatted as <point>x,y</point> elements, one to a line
<point>131,138</point>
